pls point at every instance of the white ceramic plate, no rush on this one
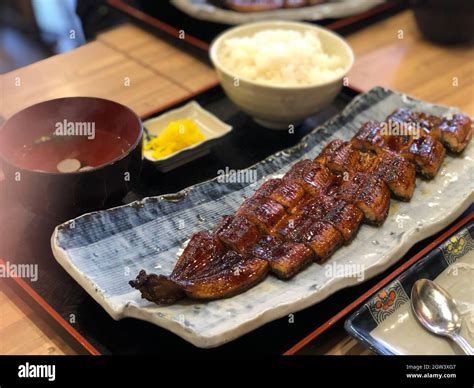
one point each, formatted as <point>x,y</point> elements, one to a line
<point>103,250</point>
<point>203,10</point>
<point>212,128</point>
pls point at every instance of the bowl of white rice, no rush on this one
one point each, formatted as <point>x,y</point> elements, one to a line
<point>281,72</point>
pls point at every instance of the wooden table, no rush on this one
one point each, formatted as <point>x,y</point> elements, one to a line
<point>127,65</point>
<point>390,53</point>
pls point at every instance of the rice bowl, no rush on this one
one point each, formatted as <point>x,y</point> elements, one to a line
<point>278,97</point>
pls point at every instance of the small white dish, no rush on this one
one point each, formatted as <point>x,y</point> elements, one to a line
<point>212,128</point>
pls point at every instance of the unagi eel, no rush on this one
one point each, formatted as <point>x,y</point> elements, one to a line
<point>316,207</point>
<point>454,133</point>
<point>342,158</point>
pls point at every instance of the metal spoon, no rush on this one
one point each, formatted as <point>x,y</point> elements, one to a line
<point>438,312</point>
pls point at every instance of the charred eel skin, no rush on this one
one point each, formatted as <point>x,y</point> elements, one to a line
<point>205,270</point>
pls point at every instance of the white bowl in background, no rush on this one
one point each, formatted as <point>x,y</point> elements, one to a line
<point>278,106</point>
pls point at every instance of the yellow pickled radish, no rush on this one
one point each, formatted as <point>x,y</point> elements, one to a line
<point>176,136</point>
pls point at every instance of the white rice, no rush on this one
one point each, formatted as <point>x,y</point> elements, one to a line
<point>280,57</point>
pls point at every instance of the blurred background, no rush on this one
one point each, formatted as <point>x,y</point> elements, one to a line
<point>31,30</point>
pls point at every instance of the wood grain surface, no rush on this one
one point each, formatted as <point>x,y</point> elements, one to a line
<point>393,53</point>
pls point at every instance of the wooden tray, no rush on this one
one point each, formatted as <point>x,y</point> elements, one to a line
<point>90,327</point>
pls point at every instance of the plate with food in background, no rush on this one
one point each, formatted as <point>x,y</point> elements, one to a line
<point>244,11</point>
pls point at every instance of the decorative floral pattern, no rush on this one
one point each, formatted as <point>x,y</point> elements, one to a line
<point>457,246</point>
<point>387,301</point>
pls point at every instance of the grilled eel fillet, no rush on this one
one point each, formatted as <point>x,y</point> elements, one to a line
<point>205,270</point>
<point>397,173</point>
<point>284,226</point>
<point>304,216</point>
<point>454,133</point>
<point>424,151</point>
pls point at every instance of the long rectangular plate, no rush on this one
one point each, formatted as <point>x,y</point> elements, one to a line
<point>103,250</point>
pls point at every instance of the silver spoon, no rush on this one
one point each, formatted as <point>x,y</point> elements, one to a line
<point>438,312</point>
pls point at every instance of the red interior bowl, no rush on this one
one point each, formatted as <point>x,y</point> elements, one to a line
<point>112,145</point>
